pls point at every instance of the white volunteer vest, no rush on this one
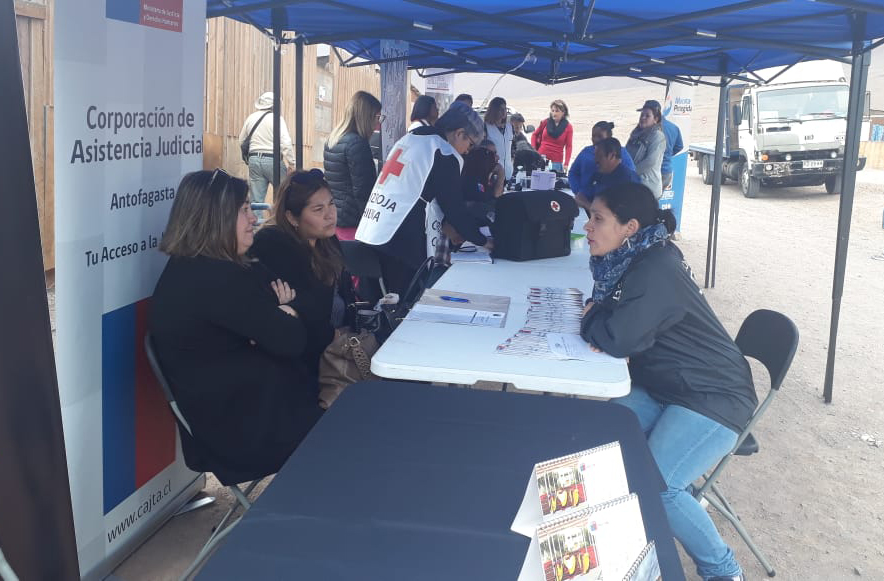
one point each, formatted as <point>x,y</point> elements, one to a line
<point>503,140</point>
<point>398,189</point>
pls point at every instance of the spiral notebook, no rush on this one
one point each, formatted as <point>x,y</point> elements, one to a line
<point>646,567</point>
<point>598,543</point>
<point>564,485</point>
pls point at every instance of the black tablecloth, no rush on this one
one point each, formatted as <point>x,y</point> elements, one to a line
<point>402,481</point>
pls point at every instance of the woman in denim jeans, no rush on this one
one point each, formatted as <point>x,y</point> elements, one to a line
<point>696,390</point>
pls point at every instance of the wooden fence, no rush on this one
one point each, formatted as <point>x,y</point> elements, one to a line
<point>239,67</point>
<point>34,26</point>
<point>874,153</point>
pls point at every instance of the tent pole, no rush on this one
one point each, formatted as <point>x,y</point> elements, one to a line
<point>859,74</point>
<point>299,103</point>
<point>277,109</point>
<point>712,241</point>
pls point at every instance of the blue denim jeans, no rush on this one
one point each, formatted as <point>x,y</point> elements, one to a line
<point>685,444</point>
<point>260,177</point>
<point>557,166</point>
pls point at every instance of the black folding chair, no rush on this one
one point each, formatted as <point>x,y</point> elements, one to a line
<point>240,495</point>
<point>362,261</point>
<point>772,339</point>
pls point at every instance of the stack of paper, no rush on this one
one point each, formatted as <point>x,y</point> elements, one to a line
<point>550,310</point>
<point>472,253</point>
<point>441,306</point>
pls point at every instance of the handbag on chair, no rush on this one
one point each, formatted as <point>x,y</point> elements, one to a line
<point>346,360</point>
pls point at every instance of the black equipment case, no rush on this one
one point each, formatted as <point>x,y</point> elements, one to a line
<point>533,224</point>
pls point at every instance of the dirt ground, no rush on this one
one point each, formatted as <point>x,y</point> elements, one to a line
<point>812,496</point>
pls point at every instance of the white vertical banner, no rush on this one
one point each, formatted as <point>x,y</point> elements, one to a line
<point>128,125</point>
<point>678,107</point>
<point>440,86</point>
<point>394,93</point>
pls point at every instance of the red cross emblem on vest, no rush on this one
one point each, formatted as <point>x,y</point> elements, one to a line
<point>392,166</point>
<point>555,206</point>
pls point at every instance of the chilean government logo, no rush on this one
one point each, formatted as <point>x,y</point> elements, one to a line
<point>164,14</point>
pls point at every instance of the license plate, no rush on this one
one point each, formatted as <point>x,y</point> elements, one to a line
<point>812,163</point>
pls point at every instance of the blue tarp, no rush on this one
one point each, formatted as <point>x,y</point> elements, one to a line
<point>574,39</point>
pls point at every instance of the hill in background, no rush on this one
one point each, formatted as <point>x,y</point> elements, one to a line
<point>612,99</point>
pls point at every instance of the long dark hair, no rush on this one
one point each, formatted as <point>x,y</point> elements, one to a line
<point>495,108</point>
<point>630,200</point>
<point>606,126</point>
<point>294,191</point>
<point>202,221</point>
<point>477,166</point>
<point>422,107</point>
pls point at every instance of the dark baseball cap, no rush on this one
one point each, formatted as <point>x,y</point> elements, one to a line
<point>651,104</point>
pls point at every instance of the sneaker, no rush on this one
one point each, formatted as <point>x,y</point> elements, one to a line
<point>728,578</point>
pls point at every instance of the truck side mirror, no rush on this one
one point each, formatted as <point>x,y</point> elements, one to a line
<point>737,114</point>
<point>529,129</point>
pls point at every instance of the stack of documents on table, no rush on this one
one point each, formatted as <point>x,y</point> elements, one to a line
<point>550,310</point>
<point>441,306</point>
<point>471,253</point>
<point>552,328</point>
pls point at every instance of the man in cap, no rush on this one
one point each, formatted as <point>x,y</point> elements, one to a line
<point>673,142</point>
<point>258,130</point>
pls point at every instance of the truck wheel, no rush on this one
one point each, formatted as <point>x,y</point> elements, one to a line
<point>706,170</point>
<point>748,185</point>
<point>833,184</point>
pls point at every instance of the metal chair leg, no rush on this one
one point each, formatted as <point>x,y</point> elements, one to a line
<point>207,550</point>
<point>721,505</point>
<point>723,500</point>
<point>220,531</point>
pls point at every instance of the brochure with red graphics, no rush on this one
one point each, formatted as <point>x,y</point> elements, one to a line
<point>646,567</point>
<point>597,543</point>
<point>564,485</point>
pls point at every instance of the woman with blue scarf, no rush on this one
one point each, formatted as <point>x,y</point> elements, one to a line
<point>692,389</point>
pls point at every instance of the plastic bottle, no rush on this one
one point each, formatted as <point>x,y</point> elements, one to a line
<point>522,177</point>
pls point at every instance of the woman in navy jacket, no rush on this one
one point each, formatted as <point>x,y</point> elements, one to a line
<point>692,389</point>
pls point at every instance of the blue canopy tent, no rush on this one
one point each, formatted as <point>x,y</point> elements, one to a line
<point>568,40</point>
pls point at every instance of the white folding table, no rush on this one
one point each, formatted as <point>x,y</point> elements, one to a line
<point>464,354</point>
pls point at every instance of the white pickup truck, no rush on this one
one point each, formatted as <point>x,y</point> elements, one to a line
<point>784,134</point>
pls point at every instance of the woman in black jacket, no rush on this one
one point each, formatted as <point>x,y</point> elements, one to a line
<point>349,167</point>
<point>692,389</point>
<point>419,192</point>
<point>299,246</point>
<point>227,341</point>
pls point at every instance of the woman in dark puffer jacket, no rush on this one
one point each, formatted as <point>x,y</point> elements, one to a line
<point>349,167</point>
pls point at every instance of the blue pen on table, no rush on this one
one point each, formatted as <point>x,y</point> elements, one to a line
<point>454,299</point>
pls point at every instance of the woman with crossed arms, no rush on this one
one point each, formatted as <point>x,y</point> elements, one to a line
<point>228,342</point>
